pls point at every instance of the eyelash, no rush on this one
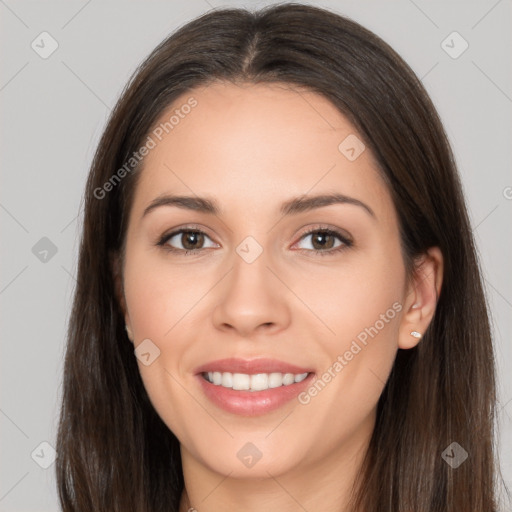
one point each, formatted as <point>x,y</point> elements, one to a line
<point>346,243</point>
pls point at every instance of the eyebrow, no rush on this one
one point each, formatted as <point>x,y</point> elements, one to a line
<point>293,206</point>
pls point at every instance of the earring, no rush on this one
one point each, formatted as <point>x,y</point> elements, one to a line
<point>416,334</point>
<point>129,332</point>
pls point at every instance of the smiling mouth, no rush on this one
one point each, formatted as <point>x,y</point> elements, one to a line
<point>253,382</point>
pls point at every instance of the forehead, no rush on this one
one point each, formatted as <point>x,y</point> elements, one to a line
<point>252,142</point>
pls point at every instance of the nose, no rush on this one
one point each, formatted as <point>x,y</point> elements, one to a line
<point>251,299</point>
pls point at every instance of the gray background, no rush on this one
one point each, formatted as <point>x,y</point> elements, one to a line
<point>53,111</point>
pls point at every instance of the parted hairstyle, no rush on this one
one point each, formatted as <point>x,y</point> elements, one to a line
<point>114,453</point>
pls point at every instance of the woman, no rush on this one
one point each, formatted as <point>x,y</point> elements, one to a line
<point>278,306</point>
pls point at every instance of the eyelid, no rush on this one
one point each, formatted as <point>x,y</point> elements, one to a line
<point>163,239</point>
<point>344,235</point>
<point>188,227</point>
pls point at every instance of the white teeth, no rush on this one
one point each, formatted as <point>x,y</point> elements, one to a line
<point>275,380</point>
<point>259,382</point>
<point>241,381</point>
<point>227,380</point>
<point>288,378</point>
<point>301,377</point>
<point>256,382</point>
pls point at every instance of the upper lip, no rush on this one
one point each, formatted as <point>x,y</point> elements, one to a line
<point>251,366</point>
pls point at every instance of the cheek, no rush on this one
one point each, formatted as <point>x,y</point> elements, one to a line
<point>364,313</point>
<point>358,294</point>
<point>158,302</point>
<point>157,296</point>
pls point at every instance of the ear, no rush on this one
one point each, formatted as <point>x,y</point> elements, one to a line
<point>421,297</point>
<point>117,275</point>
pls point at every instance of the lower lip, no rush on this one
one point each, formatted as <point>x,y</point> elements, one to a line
<point>252,403</point>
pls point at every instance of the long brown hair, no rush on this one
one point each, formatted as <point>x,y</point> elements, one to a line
<point>114,451</point>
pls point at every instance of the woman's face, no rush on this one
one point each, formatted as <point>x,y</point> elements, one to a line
<point>265,280</point>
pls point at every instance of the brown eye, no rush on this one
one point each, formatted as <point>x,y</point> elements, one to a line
<point>192,239</point>
<point>325,241</point>
<point>322,240</point>
<point>186,240</point>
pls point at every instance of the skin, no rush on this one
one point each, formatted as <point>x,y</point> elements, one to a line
<point>252,147</point>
